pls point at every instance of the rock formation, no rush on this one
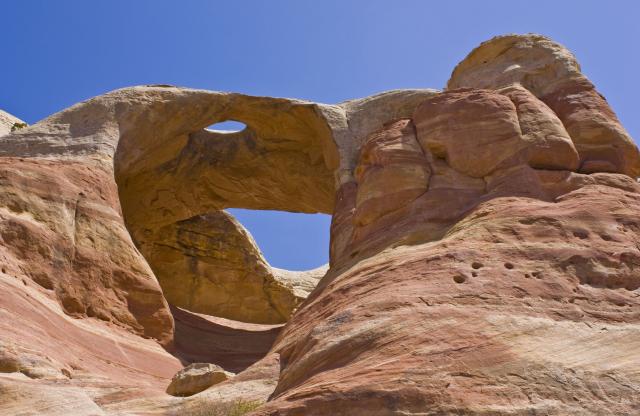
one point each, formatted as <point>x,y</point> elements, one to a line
<point>195,378</point>
<point>210,264</point>
<point>484,258</point>
<point>9,122</point>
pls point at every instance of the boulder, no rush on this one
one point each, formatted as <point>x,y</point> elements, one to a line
<point>195,378</point>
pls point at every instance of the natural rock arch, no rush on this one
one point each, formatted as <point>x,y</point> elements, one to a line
<point>173,190</point>
<point>448,274</point>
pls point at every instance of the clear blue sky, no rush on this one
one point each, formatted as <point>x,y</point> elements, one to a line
<point>56,53</point>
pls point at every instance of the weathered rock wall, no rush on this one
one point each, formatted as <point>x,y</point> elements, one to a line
<point>485,255</point>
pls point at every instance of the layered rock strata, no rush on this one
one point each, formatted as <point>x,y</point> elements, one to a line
<point>484,259</point>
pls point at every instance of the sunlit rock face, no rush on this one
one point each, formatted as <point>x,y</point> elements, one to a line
<point>484,256</point>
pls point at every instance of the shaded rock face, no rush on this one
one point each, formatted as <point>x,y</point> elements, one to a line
<point>221,255</point>
<point>173,190</point>
<point>210,264</point>
<point>484,258</point>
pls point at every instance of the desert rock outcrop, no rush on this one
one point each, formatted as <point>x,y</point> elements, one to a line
<point>484,256</point>
<point>500,275</point>
<point>553,75</point>
<point>210,264</point>
<point>195,378</point>
<point>9,122</point>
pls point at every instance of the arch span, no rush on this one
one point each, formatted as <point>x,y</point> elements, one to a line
<point>176,176</point>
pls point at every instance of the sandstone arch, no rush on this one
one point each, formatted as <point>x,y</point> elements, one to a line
<point>174,178</point>
<point>151,142</point>
<point>457,284</point>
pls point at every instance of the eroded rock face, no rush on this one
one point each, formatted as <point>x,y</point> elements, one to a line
<point>553,75</point>
<point>210,264</point>
<point>485,246</point>
<point>8,122</point>
<point>504,280</point>
<point>525,306</point>
<point>62,229</point>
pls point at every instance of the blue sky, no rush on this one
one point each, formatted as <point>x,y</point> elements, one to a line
<point>56,53</point>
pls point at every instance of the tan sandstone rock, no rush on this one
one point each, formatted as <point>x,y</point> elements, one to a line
<point>510,286</point>
<point>484,258</point>
<point>553,75</point>
<point>210,264</point>
<point>195,378</point>
<point>8,122</point>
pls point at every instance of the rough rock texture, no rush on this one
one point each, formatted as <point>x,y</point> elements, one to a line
<point>524,307</point>
<point>20,396</point>
<point>484,259</point>
<point>254,385</point>
<point>51,362</point>
<point>506,281</point>
<point>252,168</point>
<point>553,75</point>
<point>195,378</point>
<point>62,230</point>
<point>210,264</point>
<point>7,121</point>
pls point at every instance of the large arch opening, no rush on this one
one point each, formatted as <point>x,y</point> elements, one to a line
<point>288,240</point>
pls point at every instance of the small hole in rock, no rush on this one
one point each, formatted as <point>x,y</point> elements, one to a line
<point>474,274</point>
<point>476,265</point>
<point>229,126</point>
<point>4,270</point>
<point>606,237</point>
<point>508,265</point>
<point>459,278</point>
<point>581,234</point>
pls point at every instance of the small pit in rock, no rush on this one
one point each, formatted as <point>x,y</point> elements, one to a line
<point>459,278</point>
<point>582,234</point>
